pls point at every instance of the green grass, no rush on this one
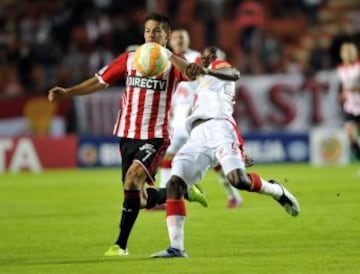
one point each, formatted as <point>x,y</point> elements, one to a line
<point>63,221</point>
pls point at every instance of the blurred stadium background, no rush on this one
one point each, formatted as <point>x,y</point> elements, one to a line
<point>285,50</point>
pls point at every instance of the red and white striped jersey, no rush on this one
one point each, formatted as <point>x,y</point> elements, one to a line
<point>143,112</point>
<point>350,79</point>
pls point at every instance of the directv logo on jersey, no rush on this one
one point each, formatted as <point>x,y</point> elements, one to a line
<point>148,83</point>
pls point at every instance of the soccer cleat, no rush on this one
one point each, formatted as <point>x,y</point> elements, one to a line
<point>287,200</point>
<point>169,253</point>
<point>234,202</point>
<point>116,250</point>
<point>195,194</point>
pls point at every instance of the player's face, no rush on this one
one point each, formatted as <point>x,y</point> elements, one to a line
<point>207,57</point>
<point>348,53</point>
<point>154,32</point>
<point>179,41</point>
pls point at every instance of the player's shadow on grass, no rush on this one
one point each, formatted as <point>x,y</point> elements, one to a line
<point>94,260</point>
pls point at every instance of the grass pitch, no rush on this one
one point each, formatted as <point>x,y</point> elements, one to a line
<point>63,221</point>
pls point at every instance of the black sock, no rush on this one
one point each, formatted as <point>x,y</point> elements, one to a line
<point>162,196</point>
<point>131,207</point>
<point>153,197</point>
<point>356,149</point>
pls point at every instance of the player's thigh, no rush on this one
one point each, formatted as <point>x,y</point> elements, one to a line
<point>230,156</point>
<point>144,153</point>
<point>191,164</point>
<point>176,143</point>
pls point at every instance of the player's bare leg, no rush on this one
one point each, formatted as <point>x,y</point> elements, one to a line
<point>234,198</point>
<point>351,130</point>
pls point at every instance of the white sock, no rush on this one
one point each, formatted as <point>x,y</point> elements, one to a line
<point>273,190</point>
<point>175,225</point>
<point>164,177</point>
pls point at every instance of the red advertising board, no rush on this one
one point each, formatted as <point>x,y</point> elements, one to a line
<point>37,153</point>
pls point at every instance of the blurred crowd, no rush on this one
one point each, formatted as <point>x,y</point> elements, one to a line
<point>62,42</point>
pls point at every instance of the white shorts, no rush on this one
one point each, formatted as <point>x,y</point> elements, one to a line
<point>212,142</point>
<point>176,143</point>
<point>179,138</point>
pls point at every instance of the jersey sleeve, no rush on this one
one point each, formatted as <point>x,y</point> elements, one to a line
<point>179,76</point>
<point>114,71</point>
<point>219,64</point>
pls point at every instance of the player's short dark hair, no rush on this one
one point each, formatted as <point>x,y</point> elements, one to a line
<point>212,49</point>
<point>216,51</point>
<point>164,20</point>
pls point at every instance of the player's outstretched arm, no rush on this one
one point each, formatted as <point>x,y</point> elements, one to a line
<point>88,86</point>
<point>228,74</point>
<point>191,70</point>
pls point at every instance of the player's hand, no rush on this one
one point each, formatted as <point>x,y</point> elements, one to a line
<point>342,98</point>
<point>249,161</point>
<point>193,70</point>
<point>56,94</point>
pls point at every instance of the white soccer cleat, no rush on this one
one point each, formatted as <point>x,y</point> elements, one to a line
<point>169,253</point>
<point>287,200</point>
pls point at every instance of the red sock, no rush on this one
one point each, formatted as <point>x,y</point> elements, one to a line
<point>255,182</point>
<point>166,163</point>
<point>175,207</point>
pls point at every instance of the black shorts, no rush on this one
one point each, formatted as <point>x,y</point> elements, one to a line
<point>148,153</point>
<point>352,118</point>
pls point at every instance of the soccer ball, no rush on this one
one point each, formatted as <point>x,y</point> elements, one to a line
<point>150,59</point>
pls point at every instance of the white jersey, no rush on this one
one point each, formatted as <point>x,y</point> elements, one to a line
<point>183,99</point>
<point>350,78</point>
<point>192,55</point>
<point>214,97</point>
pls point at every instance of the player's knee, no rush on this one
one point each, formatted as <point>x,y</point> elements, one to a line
<point>135,177</point>
<point>176,188</point>
<point>239,179</point>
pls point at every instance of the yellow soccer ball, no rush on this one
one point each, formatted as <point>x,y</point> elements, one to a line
<point>150,59</point>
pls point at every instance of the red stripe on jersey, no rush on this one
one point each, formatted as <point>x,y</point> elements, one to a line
<point>140,113</point>
<point>115,70</point>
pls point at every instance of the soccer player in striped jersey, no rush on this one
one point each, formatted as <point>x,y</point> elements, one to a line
<point>214,138</point>
<point>142,122</point>
<point>349,74</point>
<point>180,108</point>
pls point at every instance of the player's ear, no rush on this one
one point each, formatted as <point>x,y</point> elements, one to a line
<point>168,35</point>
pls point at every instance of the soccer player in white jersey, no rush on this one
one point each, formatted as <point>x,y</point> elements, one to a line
<point>349,74</point>
<point>214,138</point>
<point>142,122</point>
<point>180,108</point>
